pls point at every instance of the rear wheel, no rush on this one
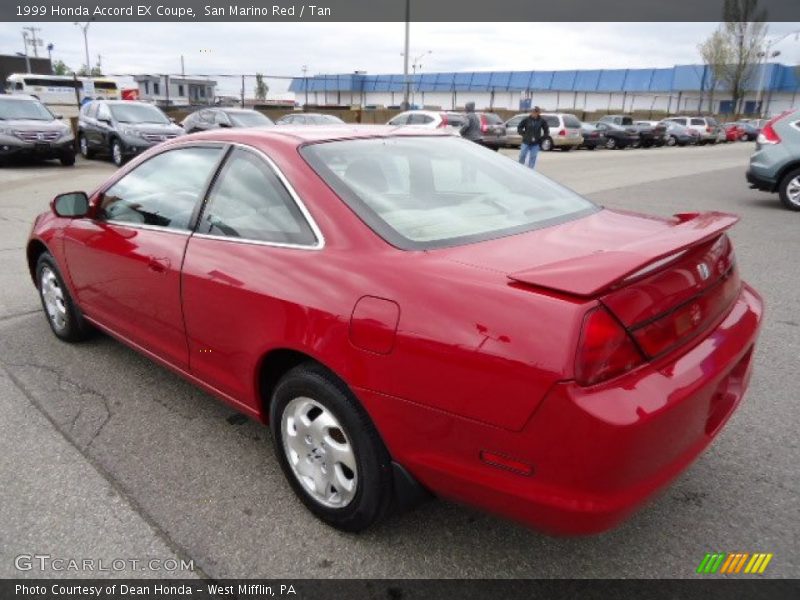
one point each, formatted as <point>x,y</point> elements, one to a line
<point>611,143</point>
<point>68,159</point>
<point>789,190</point>
<point>546,144</point>
<point>62,314</point>
<point>329,450</point>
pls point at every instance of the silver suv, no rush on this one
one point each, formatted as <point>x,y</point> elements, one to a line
<point>775,165</point>
<point>28,129</point>
<point>707,127</point>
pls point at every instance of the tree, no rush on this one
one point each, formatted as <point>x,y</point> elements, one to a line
<point>261,87</point>
<point>744,30</point>
<point>61,68</point>
<point>716,54</point>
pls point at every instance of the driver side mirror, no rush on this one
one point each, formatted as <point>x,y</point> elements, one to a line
<point>71,205</point>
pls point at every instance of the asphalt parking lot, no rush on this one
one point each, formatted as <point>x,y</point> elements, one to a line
<point>104,454</point>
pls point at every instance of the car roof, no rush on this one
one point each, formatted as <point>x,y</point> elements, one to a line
<point>17,97</point>
<point>306,135</point>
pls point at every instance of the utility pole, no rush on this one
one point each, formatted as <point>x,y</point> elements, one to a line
<point>25,41</point>
<point>305,85</point>
<point>85,28</point>
<point>183,70</point>
<point>405,55</point>
<point>35,41</point>
<point>50,55</point>
<point>242,91</point>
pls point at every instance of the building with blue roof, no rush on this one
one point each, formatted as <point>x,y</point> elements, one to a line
<point>682,88</point>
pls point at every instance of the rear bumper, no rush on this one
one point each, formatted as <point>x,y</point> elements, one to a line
<point>596,454</point>
<point>760,181</point>
<point>558,141</point>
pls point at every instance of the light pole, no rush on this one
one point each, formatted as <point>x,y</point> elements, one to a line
<point>405,55</point>
<point>85,28</point>
<point>27,59</point>
<point>765,55</point>
<point>415,65</point>
<point>305,86</point>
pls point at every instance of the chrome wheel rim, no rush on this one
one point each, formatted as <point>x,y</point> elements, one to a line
<point>53,297</point>
<point>84,146</point>
<point>319,452</point>
<point>793,191</point>
<point>116,153</point>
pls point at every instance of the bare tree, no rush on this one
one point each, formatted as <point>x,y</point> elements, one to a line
<point>716,54</point>
<point>744,30</point>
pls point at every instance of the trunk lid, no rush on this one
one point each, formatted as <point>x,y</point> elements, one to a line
<point>665,280</point>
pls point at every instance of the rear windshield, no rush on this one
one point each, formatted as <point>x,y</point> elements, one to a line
<point>455,119</point>
<point>626,121</point>
<point>249,119</point>
<point>571,121</point>
<point>551,120</point>
<point>433,192</point>
<point>493,119</point>
<point>137,113</point>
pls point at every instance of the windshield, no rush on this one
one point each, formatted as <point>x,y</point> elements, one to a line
<point>137,113</point>
<point>249,119</point>
<point>24,109</point>
<point>432,192</point>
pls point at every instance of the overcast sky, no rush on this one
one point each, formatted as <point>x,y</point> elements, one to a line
<point>283,48</point>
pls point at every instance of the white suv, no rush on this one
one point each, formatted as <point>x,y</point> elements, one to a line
<point>706,127</point>
<point>430,119</point>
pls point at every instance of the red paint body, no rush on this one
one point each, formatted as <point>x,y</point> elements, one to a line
<point>455,353</point>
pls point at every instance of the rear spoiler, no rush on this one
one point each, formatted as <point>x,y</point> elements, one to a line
<point>595,273</point>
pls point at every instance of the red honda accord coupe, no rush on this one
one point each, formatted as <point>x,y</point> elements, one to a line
<point>413,314</point>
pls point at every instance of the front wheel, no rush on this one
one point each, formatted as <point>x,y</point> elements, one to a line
<point>611,144</point>
<point>329,450</point>
<point>68,159</point>
<point>117,156</point>
<point>546,144</point>
<point>789,190</point>
<point>63,315</point>
<point>83,144</point>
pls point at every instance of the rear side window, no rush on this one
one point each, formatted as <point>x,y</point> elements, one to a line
<point>419,119</point>
<point>698,122</point>
<point>551,120</point>
<point>399,120</point>
<point>515,122</point>
<point>162,191</point>
<point>571,121</point>
<point>248,201</point>
<point>493,119</point>
<point>626,121</point>
<point>455,119</point>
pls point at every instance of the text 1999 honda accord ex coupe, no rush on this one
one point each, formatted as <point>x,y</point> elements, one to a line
<point>411,312</point>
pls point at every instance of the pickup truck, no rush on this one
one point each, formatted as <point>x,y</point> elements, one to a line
<point>649,134</point>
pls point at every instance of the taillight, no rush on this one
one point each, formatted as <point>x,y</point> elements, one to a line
<point>484,125</point>
<point>605,349</point>
<point>444,122</point>
<point>708,129</point>
<point>562,132</point>
<point>768,135</point>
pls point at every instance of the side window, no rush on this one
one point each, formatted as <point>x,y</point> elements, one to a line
<point>221,118</point>
<point>417,119</point>
<point>399,120</point>
<point>103,112</point>
<point>162,191</point>
<point>698,122</point>
<point>249,201</point>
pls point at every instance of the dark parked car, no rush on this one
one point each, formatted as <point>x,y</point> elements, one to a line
<point>679,135</point>
<point>592,136</point>
<point>650,134</point>
<point>309,119</point>
<point>29,130</point>
<point>493,131</point>
<point>122,128</point>
<point>617,136</point>
<point>214,118</point>
<point>412,313</point>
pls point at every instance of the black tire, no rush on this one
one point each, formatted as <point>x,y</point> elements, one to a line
<point>546,144</point>
<point>74,328</point>
<point>67,159</point>
<point>83,145</point>
<point>373,476</point>
<point>611,144</point>
<point>566,148</point>
<point>792,177</point>
<point>117,155</point>
<point>591,147</point>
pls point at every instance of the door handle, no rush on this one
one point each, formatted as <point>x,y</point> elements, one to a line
<point>158,265</point>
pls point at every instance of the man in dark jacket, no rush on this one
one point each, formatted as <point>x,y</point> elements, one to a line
<point>533,130</point>
<point>471,129</point>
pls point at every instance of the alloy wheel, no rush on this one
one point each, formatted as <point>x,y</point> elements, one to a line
<point>116,153</point>
<point>53,297</point>
<point>319,452</point>
<point>793,191</point>
<point>84,146</point>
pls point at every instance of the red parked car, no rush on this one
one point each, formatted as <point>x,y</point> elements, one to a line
<point>413,313</point>
<point>734,132</point>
